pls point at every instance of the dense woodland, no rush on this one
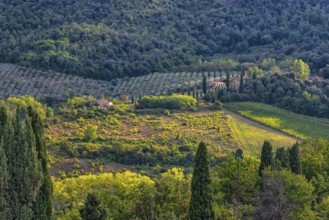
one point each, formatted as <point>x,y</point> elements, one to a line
<point>108,39</point>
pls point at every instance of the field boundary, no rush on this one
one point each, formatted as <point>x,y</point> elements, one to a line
<point>258,124</point>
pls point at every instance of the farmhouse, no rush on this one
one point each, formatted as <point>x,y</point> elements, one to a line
<point>213,85</point>
<point>103,103</point>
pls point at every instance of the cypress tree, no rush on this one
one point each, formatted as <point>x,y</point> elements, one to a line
<point>294,161</point>
<point>228,78</point>
<point>266,157</point>
<point>92,209</point>
<point>4,209</point>
<point>42,207</point>
<point>238,154</point>
<point>197,94</point>
<point>254,76</point>
<point>193,93</point>
<point>23,167</point>
<point>201,194</point>
<point>204,85</point>
<point>241,80</point>
<point>281,157</point>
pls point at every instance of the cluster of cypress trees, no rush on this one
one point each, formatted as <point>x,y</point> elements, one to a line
<point>283,158</point>
<point>25,184</point>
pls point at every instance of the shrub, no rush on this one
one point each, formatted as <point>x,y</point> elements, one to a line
<point>168,102</point>
<point>90,133</point>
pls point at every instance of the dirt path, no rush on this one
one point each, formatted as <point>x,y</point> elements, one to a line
<point>259,125</point>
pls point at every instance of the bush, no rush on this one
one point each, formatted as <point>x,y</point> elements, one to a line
<point>90,133</point>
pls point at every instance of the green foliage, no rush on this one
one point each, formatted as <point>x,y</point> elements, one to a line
<point>235,181</point>
<point>294,160</point>
<point>300,195</point>
<point>42,207</point>
<point>168,102</point>
<point>201,203</point>
<point>173,192</point>
<point>27,101</point>
<point>282,158</point>
<point>26,186</point>
<point>300,69</point>
<point>90,133</point>
<point>268,63</point>
<point>92,209</point>
<point>266,158</point>
<point>4,208</point>
<point>314,158</point>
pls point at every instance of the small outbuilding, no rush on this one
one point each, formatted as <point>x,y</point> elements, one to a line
<point>213,85</point>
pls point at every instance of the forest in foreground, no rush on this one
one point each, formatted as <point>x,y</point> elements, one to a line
<point>110,39</point>
<point>119,172</point>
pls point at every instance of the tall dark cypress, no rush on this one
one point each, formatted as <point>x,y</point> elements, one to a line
<point>281,158</point>
<point>92,209</point>
<point>42,207</point>
<point>23,166</point>
<point>266,158</point>
<point>4,208</point>
<point>204,85</point>
<point>294,161</point>
<point>201,194</point>
<point>228,78</point>
<point>241,80</point>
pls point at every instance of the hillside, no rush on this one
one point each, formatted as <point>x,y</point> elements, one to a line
<point>52,86</point>
<point>140,138</point>
<point>109,39</point>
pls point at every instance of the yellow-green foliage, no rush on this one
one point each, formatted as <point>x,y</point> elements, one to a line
<point>169,102</point>
<point>26,101</point>
<point>124,195</point>
<point>118,192</point>
<point>295,124</point>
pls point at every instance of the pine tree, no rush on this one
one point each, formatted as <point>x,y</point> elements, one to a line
<point>294,160</point>
<point>42,207</point>
<point>204,85</point>
<point>266,157</point>
<point>92,209</point>
<point>201,194</point>
<point>281,157</point>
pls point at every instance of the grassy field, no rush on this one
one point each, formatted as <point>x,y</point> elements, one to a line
<point>300,126</point>
<point>251,138</point>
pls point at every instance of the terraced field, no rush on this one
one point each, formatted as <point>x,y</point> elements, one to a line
<point>18,81</point>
